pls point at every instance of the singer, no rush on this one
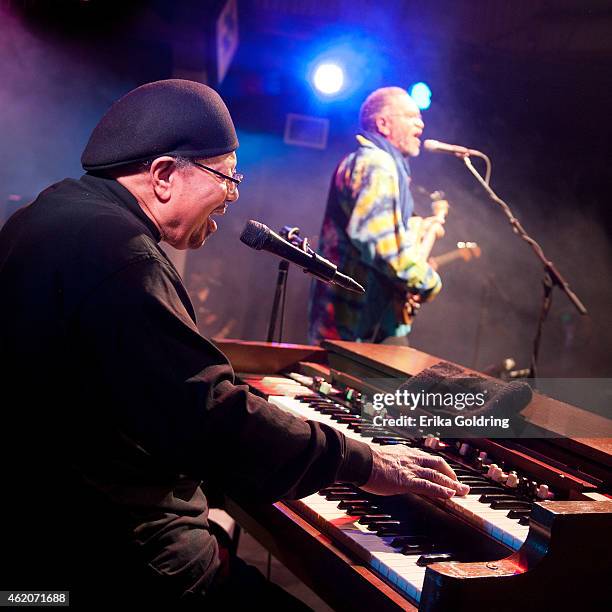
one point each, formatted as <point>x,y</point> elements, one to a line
<point>367,229</point>
<point>118,416</point>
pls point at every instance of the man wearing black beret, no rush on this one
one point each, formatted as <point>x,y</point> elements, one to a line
<point>117,412</point>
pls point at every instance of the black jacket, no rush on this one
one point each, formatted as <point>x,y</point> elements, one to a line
<point>116,409</point>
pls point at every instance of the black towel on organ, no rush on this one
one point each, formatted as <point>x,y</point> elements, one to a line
<point>502,399</point>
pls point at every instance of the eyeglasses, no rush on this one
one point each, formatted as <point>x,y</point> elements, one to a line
<point>233,181</point>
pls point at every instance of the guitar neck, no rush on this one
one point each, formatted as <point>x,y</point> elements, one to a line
<point>440,209</point>
<point>445,258</point>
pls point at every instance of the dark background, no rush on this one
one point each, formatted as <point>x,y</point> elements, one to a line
<point>530,83</point>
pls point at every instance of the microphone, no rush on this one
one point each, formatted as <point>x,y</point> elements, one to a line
<point>260,237</point>
<point>435,146</point>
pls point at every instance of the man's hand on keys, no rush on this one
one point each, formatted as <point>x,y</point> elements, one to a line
<point>399,469</point>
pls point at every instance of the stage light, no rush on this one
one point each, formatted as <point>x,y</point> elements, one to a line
<point>421,94</point>
<point>328,78</point>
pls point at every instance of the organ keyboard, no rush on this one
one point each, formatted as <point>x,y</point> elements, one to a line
<point>513,542</point>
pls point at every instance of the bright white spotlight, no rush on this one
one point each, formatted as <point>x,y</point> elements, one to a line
<point>421,94</point>
<point>328,78</point>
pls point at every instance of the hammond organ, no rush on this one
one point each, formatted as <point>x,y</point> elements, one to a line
<point>538,536</point>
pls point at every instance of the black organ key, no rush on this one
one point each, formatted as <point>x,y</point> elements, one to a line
<point>336,488</point>
<point>479,483</point>
<point>411,540</point>
<point>354,503</point>
<point>487,498</point>
<point>367,519</point>
<point>390,531</point>
<point>475,480</point>
<point>381,524</point>
<point>340,417</point>
<point>418,549</point>
<point>333,410</point>
<point>510,505</point>
<point>398,443</point>
<point>359,510</point>
<point>433,558</point>
<point>347,420</point>
<point>341,495</point>
<point>518,514</point>
<point>414,549</point>
<point>484,490</point>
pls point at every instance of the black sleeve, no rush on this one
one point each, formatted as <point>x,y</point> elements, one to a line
<point>172,392</point>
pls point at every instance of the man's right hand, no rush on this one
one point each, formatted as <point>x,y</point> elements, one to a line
<point>400,469</point>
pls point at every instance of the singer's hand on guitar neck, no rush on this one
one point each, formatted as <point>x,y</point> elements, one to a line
<point>400,469</point>
<point>433,225</point>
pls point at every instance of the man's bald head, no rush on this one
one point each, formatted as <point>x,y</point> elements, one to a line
<point>375,104</point>
<point>392,113</point>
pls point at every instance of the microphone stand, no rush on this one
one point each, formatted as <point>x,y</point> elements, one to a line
<point>279,301</point>
<point>552,277</point>
<point>292,235</point>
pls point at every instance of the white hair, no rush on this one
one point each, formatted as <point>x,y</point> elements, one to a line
<point>374,105</point>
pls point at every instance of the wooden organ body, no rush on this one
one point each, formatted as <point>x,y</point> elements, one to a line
<point>546,544</point>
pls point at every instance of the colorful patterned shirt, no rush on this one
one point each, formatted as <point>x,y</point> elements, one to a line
<point>364,235</point>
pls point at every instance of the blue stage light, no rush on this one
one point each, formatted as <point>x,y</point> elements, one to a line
<point>328,78</point>
<point>421,94</point>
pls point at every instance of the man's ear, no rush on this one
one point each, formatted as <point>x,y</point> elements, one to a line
<point>163,174</point>
<point>382,125</point>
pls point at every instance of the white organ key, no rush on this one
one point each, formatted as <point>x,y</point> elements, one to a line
<point>304,410</point>
<point>400,570</point>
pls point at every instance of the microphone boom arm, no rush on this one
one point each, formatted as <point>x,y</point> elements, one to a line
<point>552,276</point>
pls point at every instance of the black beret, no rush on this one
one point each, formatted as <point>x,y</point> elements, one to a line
<point>172,117</point>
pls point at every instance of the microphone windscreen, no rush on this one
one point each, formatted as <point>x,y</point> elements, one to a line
<point>255,234</point>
